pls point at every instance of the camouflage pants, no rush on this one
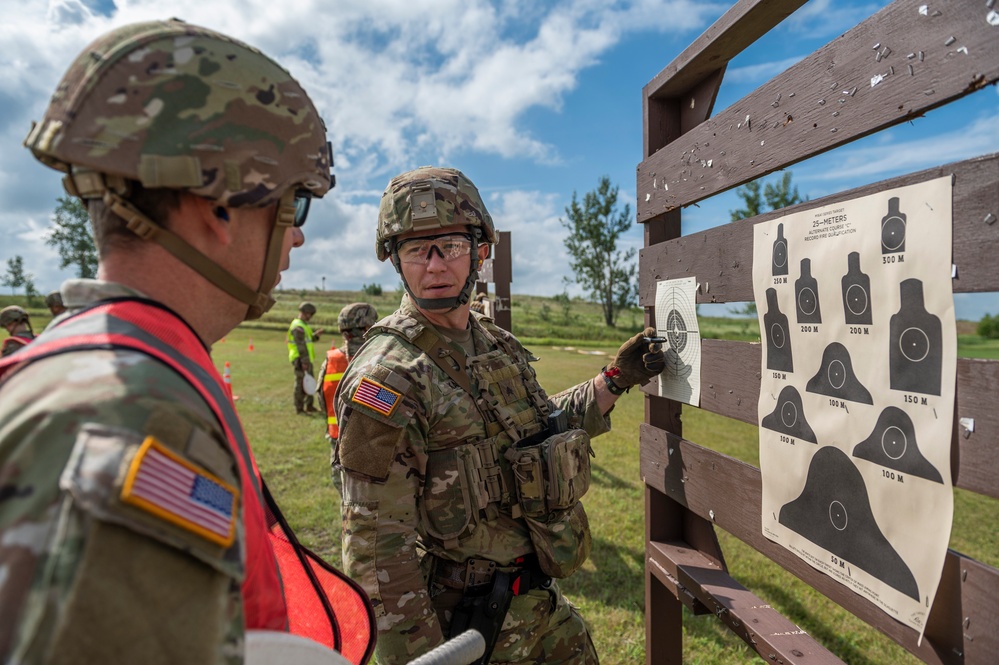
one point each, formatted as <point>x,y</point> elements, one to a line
<point>541,626</point>
<point>302,400</point>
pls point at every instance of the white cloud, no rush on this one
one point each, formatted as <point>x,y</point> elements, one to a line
<point>399,82</point>
<point>886,157</point>
<point>408,82</point>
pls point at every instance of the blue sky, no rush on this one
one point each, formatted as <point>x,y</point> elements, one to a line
<point>533,100</point>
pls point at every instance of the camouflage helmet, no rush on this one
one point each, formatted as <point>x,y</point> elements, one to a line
<point>173,105</point>
<point>307,308</point>
<point>430,198</point>
<point>53,299</point>
<point>11,315</point>
<point>357,315</point>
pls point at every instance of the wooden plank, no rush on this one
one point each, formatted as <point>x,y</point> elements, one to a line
<point>721,258</point>
<point>729,493</point>
<point>830,98</point>
<point>739,27</point>
<point>730,386</point>
<point>770,634</point>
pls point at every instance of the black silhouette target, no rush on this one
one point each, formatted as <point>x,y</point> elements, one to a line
<point>806,295</point>
<point>915,352</point>
<point>775,324</point>
<point>893,444</point>
<point>856,293</point>
<point>779,262</point>
<point>834,512</point>
<point>789,416</point>
<point>836,377</point>
<point>893,229</point>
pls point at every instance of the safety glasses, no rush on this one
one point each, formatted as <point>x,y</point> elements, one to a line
<point>450,246</point>
<point>293,208</point>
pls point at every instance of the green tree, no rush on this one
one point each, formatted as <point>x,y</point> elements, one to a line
<point>72,238</point>
<point>750,195</point>
<point>599,266</point>
<point>773,196</point>
<point>988,327</point>
<point>16,278</point>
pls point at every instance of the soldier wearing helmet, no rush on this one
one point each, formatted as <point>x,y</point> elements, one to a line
<point>54,302</point>
<point>353,322</point>
<point>196,156</point>
<point>302,356</point>
<point>16,322</point>
<point>461,477</point>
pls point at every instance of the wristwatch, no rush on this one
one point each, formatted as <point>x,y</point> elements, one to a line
<point>611,386</point>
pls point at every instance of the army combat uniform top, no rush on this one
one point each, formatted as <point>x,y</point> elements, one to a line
<point>77,560</point>
<point>429,484</point>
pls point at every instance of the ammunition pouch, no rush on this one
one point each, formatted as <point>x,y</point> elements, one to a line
<point>464,484</point>
<point>551,477</point>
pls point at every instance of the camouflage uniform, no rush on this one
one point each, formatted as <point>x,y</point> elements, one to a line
<point>395,507</point>
<point>353,321</point>
<point>302,366</point>
<point>74,560</point>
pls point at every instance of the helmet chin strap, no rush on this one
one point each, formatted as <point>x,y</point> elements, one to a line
<point>449,304</point>
<point>92,185</point>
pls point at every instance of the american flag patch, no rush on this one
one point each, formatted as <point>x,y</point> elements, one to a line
<point>161,482</point>
<point>376,396</point>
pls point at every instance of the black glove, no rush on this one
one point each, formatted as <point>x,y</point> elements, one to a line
<point>635,362</point>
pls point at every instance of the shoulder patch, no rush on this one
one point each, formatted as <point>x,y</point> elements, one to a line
<point>161,482</point>
<point>368,446</point>
<point>376,396</point>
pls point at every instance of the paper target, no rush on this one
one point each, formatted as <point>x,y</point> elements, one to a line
<point>676,320</point>
<point>857,389</point>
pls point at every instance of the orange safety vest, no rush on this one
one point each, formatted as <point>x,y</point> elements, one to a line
<point>336,364</point>
<point>287,586</point>
<point>19,341</point>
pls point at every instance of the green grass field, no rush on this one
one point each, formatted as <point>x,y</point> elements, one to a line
<point>609,589</point>
<point>294,457</point>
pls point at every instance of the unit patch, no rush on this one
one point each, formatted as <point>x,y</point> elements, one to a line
<point>376,396</point>
<point>170,487</point>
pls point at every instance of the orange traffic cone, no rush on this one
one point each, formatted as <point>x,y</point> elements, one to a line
<point>227,382</point>
<point>251,345</point>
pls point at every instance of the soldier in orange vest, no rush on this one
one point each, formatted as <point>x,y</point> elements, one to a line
<point>15,321</point>
<point>353,321</point>
<point>135,524</point>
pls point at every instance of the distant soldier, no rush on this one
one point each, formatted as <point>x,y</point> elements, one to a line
<point>54,302</point>
<point>134,524</point>
<point>461,478</point>
<point>353,321</point>
<point>302,355</point>
<point>17,323</point>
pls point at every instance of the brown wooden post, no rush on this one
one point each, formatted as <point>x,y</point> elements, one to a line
<point>498,269</point>
<point>502,277</point>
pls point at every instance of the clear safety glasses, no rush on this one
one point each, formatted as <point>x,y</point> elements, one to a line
<point>450,246</point>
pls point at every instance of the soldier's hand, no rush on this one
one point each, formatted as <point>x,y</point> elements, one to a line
<point>636,361</point>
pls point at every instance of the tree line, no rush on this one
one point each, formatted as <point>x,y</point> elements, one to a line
<point>594,224</point>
